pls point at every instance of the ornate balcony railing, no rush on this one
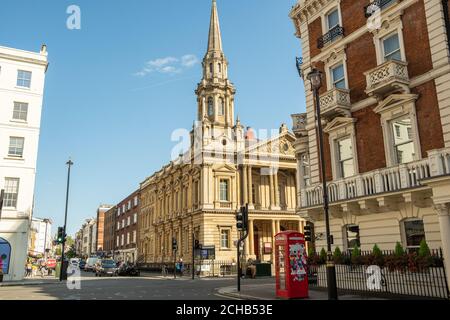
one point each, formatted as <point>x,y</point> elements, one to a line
<point>335,102</point>
<point>376,5</point>
<point>387,76</point>
<point>380,181</point>
<point>330,36</point>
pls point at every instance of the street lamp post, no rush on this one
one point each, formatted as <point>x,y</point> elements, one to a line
<point>63,271</point>
<point>315,77</point>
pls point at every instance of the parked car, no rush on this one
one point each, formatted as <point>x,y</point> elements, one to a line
<point>106,267</point>
<point>90,264</point>
<point>82,264</point>
<point>128,270</point>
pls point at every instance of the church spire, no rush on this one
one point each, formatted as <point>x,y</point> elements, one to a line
<point>215,38</point>
<point>215,92</point>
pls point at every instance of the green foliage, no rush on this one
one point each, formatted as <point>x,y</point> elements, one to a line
<point>323,255</point>
<point>376,251</point>
<point>337,256</point>
<point>356,255</point>
<point>424,250</point>
<point>399,251</point>
<point>311,251</point>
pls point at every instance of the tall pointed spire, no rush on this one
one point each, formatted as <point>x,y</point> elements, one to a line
<point>215,38</point>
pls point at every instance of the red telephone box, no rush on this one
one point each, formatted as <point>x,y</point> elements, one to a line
<point>291,265</point>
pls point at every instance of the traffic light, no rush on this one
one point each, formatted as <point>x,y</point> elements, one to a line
<point>242,219</point>
<point>307,230</point>
<point>174,244</point>
<point>197,244</point>
<point>61,237</point>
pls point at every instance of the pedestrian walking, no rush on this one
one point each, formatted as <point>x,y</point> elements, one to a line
<point>28,268</point>
<point>164,270</point>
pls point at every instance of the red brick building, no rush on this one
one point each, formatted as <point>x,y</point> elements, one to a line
<point>385,104</point>
<point>100,227</point>
<point>109,231</point>
<point>126,228</point>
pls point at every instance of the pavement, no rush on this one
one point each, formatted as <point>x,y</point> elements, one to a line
<point>31,281</point>
<point>267,291</point>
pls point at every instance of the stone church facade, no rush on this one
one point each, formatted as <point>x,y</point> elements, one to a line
<point>198,195</point>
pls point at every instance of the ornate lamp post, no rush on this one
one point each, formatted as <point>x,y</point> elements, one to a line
<point>315,78</point>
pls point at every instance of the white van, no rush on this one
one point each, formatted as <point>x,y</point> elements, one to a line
<point>90,263</point>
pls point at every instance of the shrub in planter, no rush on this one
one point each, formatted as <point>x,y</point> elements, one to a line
<point>399,251</point>
<point>356,255</point>
<point>323,256</point>
<point>377,256</point>
<point>337,256</point>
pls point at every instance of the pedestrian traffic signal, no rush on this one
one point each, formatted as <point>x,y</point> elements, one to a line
<point>61,237</point>
<point>174,244</point>
<point>242,219</point>
<point>307,231</point>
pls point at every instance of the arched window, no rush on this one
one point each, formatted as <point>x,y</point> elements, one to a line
<point>211,69</point>
<point>221,107</point>
<point>220,68</point>
<point>210,106</point>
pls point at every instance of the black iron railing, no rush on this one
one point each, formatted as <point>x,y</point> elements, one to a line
<point>388,275</point>
<point>330,36</point>
<point>376,5</point>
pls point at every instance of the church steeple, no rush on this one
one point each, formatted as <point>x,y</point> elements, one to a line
<point>215,38</point>
<point>215,92</point>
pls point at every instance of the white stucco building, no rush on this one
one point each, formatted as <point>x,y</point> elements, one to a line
<point>22,77</point>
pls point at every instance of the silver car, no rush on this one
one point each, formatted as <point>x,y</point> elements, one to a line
<point>106,267</point>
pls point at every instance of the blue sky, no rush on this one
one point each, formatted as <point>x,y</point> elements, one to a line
<point>115,123</point>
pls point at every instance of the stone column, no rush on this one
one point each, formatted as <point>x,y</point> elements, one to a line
<point>443,211</point>
<point>276,191</point>
<point>251,237</point>
<point>245,185</point>
<point>250,189</point>
<point>271,191</point>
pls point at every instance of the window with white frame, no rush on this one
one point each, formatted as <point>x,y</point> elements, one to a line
<point>128,221</point>
<point>16,147</point>
<point>123,223</point>
<point>135,218</point>
<point>128,238</point>
<point>338,76</point>
<point>129,204</point>
<point>20,111</point>
<point>225,239</point>
<point>224,190</point>
<point>135,201</point>
<point>403,143</point>
<point>123,209</point>
<point>122,239</point>
<point>333,19</point>
<point>23,79</point>
<point>413,233</point>
<point>118,241</point>
<point>134,236</point>
<point>118,225</point>
<point>391,47</point>
<point>11,192</point>
<point>118,211</point>
<point>305,170</point>
<point>351,234</point>
<point>345,157</point>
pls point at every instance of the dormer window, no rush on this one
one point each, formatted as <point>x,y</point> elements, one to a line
<point>210,106</point>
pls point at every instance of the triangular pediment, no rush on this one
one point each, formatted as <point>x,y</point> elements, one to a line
<point>395,100</point>
<point>225,168</point>
<point>339,122</point>
<point>281,144</point>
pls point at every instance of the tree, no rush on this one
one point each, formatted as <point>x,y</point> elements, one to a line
<point>424,250</point>
<point>337,256</point>
<point>399,251</point>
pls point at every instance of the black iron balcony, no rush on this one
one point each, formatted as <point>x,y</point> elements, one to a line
<point>330,36</point>
<point>376,5</point>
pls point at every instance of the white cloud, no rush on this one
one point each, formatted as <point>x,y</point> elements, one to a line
<point>168,65</point>
<point>189,60</point>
